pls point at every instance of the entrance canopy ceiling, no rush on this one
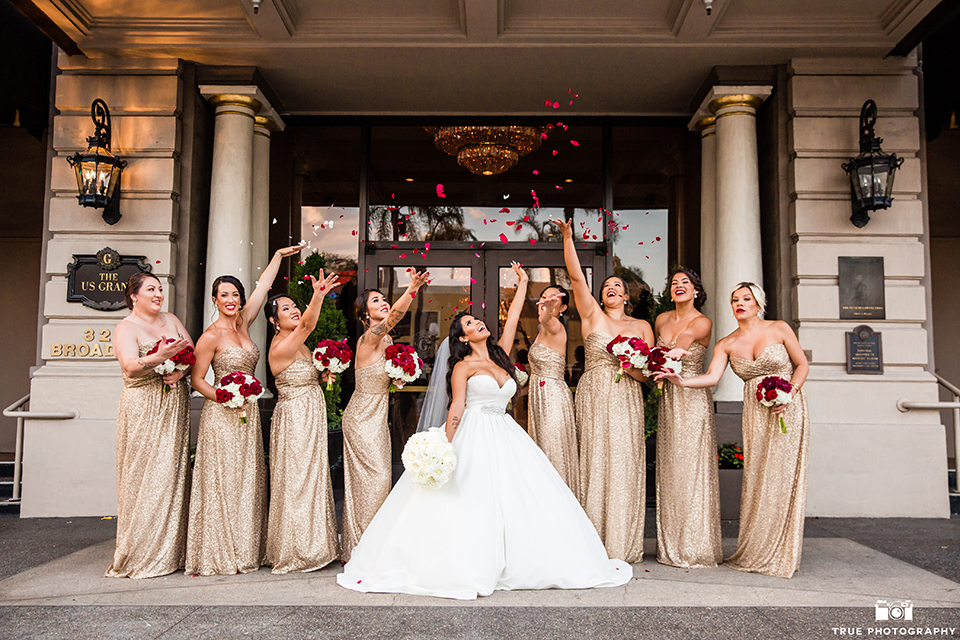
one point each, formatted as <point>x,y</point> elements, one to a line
<point>492,57</point>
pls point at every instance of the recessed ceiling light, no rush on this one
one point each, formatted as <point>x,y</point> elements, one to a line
<point>409,179</point>
<point>569,180</point>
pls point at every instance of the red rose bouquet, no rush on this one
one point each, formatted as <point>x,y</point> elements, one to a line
<point>236,390</point>
<point>403,365</point>
<point>630,351</point>
<point>183,360</point>
<point>658,361</point>
<point>520,373</point>
<point>774,391</point>
<point>332,356</point>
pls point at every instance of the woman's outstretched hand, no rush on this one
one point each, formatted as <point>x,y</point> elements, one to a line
<point>565,226</point>
<point>324,284</point>
<point>418,279</point>
<point>289,251</point>
<point>676,354</point>
<point>669,377</point>
<point>519,270</point>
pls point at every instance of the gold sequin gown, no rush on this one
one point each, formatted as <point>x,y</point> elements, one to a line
<point>613,457</point>
<point>551,419</point>
<point>302,525</point>
<point>774,495</point>
<point>153,462</point>
<point>227,530</point>
<point>367,456</point>
<point>688,490</point>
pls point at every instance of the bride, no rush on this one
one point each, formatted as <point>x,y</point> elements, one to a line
<point>505,520</point>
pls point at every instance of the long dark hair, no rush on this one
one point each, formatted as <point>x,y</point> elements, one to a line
<point>460,350</point>
<point>701,298</point>
<point>272,308</point>
<point>360,306</point>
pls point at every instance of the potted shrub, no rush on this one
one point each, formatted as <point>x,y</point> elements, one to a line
<point>730,459</point>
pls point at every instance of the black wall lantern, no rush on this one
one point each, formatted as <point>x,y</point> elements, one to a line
<point>871,173</point>
<point>98,171</point>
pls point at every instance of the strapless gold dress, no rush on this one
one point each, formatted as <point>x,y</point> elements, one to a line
<point>688,491</point>
<point>774,495</point>
<point>302,525</point>
<point>227,529</point>
<point>551,419</point>
<point>367,456</point>
<point>613,458</point>
<point>153,462</point>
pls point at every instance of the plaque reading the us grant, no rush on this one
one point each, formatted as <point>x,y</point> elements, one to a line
<point>99,281</point>
<point>861,288</point>
<point>864,351</point>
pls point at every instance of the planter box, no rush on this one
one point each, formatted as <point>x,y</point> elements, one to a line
<point>731,481</point>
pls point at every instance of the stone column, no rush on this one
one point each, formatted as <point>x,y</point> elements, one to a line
<point>708,213</point>
<point>738,215</point>
<point>260,225</point>
<point>231,194</point>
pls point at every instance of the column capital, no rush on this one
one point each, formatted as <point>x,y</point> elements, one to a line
<point>707,126</point>
<point>265,123</point>
<point>236,100</point>
<point>728,99</point>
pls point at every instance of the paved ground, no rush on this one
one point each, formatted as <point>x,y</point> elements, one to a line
<point>51,587</point>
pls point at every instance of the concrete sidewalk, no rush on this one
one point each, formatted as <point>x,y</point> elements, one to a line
<point>847,566</point>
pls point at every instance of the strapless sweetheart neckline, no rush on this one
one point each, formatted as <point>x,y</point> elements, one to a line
<point>762,351</point>
<point>487,375</point>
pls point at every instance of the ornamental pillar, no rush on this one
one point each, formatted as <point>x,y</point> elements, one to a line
<point>231,194</point>
<point>738,248</point>
<point>260,226</point>
<point>708,213</point>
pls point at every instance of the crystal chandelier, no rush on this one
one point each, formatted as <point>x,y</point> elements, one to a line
<point>486,151</point>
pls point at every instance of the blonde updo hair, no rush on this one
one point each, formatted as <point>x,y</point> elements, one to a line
<point>758,295</point>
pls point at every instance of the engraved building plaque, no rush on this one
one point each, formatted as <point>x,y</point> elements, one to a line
<point>861,288</point>
<point>864,351</point>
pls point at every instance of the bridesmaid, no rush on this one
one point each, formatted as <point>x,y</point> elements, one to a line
<point>367,456</point>
<point>609,415</point>
<point>688,493</point>
<point>774,492</point>
<point>227,525</point>
<point>302,525</point>
<point>551,420</point>
<point>153,434</point>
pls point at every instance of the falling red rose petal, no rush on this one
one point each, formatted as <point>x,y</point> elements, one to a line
<point>503,237</point>
<point>575,143</point>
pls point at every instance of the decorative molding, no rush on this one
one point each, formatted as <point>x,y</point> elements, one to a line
<point>677,12</point>
<point>76,13</point>
<point>290,14</point>
<point>646,28</point>
<point>380,28</point>
<point>896,12</point>
<point>167,27</point>
<point>868,31</point>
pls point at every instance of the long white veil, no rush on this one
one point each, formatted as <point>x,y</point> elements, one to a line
<point>436,403</point>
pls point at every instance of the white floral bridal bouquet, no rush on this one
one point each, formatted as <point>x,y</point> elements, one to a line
<point>429,458</point>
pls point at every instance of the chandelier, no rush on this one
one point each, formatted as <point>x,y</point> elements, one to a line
<point>486,151</point>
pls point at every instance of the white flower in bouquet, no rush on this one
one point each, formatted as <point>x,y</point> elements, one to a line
<point>520,373</point>
<point>429,459</point>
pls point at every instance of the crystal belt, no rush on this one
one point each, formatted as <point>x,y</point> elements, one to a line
<point>492,409</point>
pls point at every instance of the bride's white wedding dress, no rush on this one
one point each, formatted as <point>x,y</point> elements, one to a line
<point>505,520</point>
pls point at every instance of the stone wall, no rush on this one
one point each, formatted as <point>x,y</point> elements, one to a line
<point>866,457</point>
<point>70,466</point>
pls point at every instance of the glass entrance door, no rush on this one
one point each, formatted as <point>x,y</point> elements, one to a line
<point>476,279</point>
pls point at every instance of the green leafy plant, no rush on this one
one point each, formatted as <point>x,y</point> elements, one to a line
<point>331,324</point>
<point>730,456</point>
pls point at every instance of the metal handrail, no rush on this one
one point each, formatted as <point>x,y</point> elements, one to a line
<point>906,405</point>
<point>13,412</point>
<point>947,384</point>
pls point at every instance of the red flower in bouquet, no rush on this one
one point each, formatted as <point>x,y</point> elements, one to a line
<point>184,359</point>
<point>774,391</point>
<point>630,351</point>
<point>236,390</point>
<point>658,361</point>
<point>402,364</point>
<point>333,356</point>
